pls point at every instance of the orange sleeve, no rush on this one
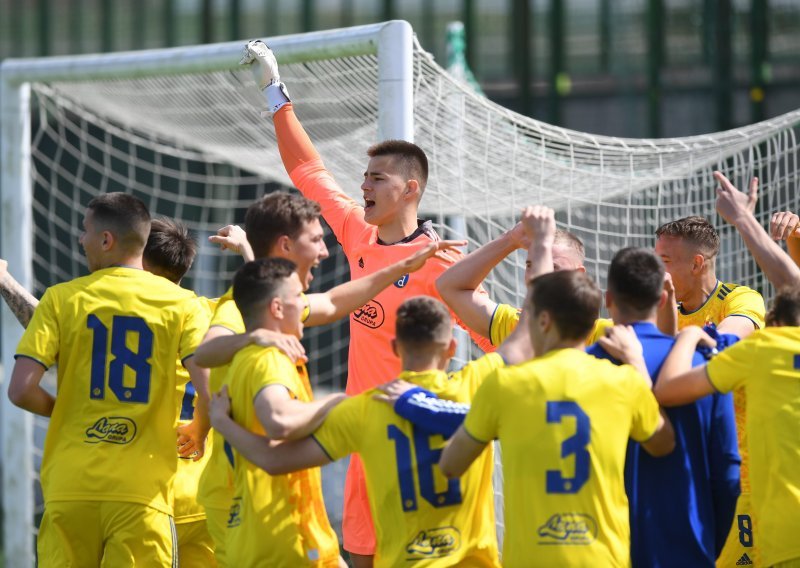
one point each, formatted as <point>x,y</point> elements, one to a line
<point>304,166</point>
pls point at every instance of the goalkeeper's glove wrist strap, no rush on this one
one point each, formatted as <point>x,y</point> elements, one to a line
<point>276,95</point>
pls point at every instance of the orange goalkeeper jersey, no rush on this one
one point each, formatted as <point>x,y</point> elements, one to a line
<point>372,327</point>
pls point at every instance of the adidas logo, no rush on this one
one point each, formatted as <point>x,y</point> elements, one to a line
<point>744,561</point>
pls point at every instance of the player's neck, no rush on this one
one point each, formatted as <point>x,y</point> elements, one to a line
<point>398,228</point>
<point>124,261</point>
<point>420,364</point>
<point>700,293</point>
<point>555,343</point>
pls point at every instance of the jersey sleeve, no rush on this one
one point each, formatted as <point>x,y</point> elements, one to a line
<point>195,326</point>
<point>344,427</point>
<point>307,172</point>
<point>744,301</point>
<point>504,320</point>
<point>599,330</point>
<point>227,315</point>
<point>730,369</point>
<point>40,341</point>
<point>646,412</point>
<point>483,419</point>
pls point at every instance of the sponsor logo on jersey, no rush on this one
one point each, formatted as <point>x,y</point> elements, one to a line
<point>361,262</point>
<point>234,516</point>
<point>370,314</point>
<point>568,528</point>
<point>433,543</point>
<point>401,283</point>
<point>111,429</point>
<point>744,560</point>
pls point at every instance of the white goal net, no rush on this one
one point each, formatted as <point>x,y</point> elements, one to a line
<point>179,129</point>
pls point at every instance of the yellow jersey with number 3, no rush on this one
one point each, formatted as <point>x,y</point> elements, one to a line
<point>421,518</point>
<point>274,520</point>
<point>563,421</point>
<point>115,335</point>
<point>767,366</point>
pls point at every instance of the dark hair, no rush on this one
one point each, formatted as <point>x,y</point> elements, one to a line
<point>275,215</point>
<point>170,248</point>
<point>571,298</point>
<point>785,308</point>
<point>569,240</point>
<point>123,215</point>
<point>422,321</point>
<point>412,161</point>
<point>696,230</point>
<point>636,279</point>
<point>257,283</point>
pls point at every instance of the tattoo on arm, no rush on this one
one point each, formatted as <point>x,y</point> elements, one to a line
<point>18,299</point>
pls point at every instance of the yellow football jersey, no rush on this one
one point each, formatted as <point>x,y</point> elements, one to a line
<point>187,477</point>
<point>216,482</point>
<point>563,421</point>
<point>728,299</point>
<point>420,516</point>
<point>115,335</point>
<point>274,520</point>
<point>506,318</point>
<point>767,365</point>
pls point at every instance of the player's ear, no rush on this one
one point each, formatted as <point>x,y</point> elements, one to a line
<point>412,190</point>
<point>698,261</point>
<point>394,347</point>
<point>663,300</point>
<point>544,321</point>
<point>284,244</point>
<point>276,308</point>
<point>609,298</point>
<point>108,240</point>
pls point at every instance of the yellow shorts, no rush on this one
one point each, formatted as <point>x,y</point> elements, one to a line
<point>217,527</point>
<point>105,533</point>
<point>741,547</point>
<point>195,546</point>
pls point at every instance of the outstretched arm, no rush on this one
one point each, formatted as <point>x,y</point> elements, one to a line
<point>234,239</point>
<point>18,299</point>
<point>679,383</point>
<point>220,345</point>
<point>285,418</point>
<point>337,302</point>
<point>736,208</point>
<point>458,285</point>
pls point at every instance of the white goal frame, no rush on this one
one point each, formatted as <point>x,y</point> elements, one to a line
<point>391,42</point>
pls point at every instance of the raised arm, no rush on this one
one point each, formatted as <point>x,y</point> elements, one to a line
<point>339,301</point>
<point>18,299</point>
<point>234,239</point>
<point>785,225</point>
<point>458,285</point>
<point>736,208</point>
<point>220,344</point>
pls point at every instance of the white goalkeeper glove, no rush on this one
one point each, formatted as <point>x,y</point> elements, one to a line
<point>265,71</point>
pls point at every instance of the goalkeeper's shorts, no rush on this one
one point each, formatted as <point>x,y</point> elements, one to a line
<point>358,532</point>
<point>107,533</point>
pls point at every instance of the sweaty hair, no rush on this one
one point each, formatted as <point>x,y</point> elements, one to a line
<point>571,298</point>
<point>785,308</point>
<point>411,159</point>
<point>170,249</point>
<point>636,279</point>
<point>257,283</point>
<point>275,215</point>
<point>125,216</point>
<point>569,240</point>
<point>695,230</point>
<point>423,321</point>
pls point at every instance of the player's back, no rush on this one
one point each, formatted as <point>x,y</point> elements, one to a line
<point>112,432</point>
<point>421,518</point>
<point>563,421</point>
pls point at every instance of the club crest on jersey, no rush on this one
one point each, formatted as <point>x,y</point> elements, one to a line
<point>234,516</point>
<point>434,543</point>
<point>111,429</point>
<point>568,528</point>
<point>370,314</point>
<point>361,262</point>
<point>401,283</point>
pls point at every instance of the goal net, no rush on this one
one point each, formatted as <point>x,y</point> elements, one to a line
<point>180,129</point>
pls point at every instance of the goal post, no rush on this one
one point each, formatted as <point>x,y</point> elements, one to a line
<point>391,43</point>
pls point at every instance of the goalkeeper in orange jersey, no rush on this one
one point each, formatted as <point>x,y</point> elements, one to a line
<point>382,230</point>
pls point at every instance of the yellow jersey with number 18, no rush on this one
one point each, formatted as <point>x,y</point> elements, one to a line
<point>563,421</point>
<point>421,518</point>
<point>767,366</point>
<point>115,336</point>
